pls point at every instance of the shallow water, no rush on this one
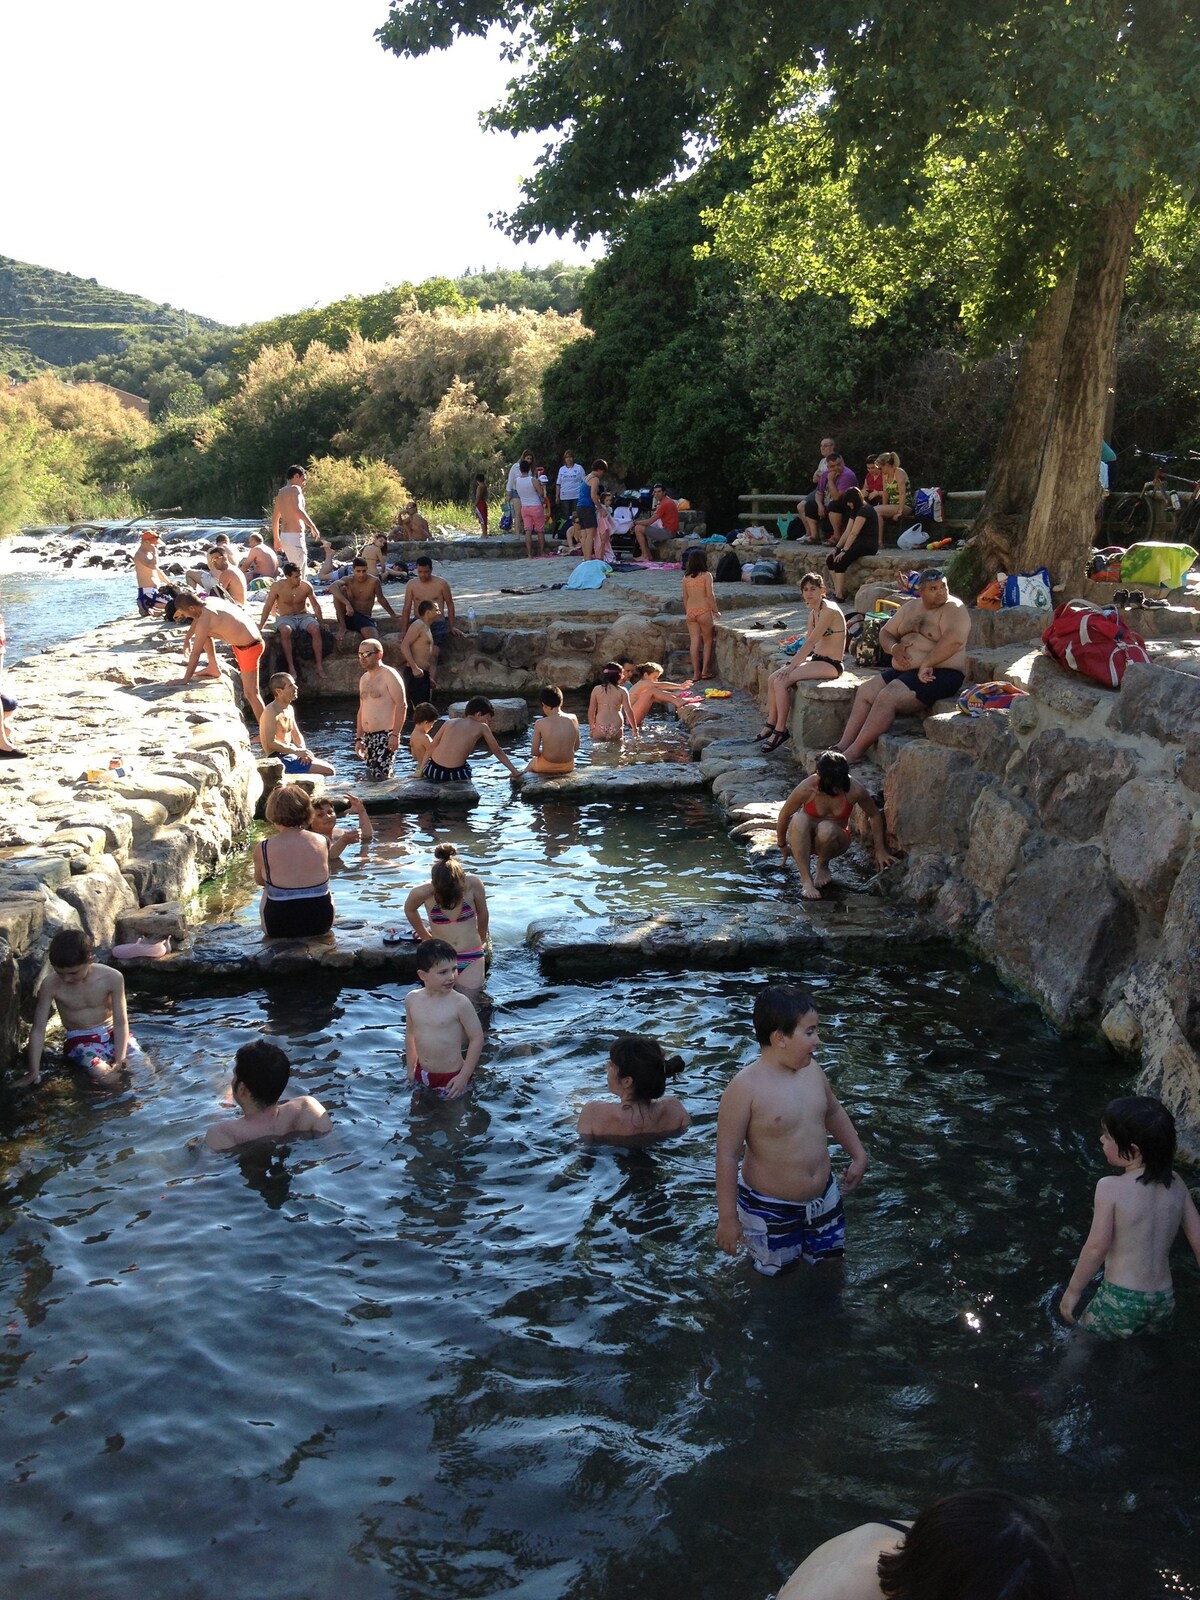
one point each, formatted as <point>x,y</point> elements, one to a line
<point>543,860</point>
<point>448,1352</point>
<point>43,606</point>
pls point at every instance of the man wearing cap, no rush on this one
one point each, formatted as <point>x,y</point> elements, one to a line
<point>927,641</point>
<point>145,564</point>
<point>664,523</point>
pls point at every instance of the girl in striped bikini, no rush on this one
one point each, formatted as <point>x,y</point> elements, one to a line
<point>453,907</point>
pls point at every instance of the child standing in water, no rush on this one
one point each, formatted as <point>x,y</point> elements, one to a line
<point>443,1037</point>
<point>91,1002</point>
<point>785,1205</point>
<point>637,1074</point>
<point>260,1075</point>
<point>1135,1220</point>
<point>609,707</point>
<point>700,604</point>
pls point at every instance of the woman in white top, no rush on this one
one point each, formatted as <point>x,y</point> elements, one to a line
<point>531,504</point>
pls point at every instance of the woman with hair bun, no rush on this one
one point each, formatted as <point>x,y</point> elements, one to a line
<point>637,1074</point>
<point>815,820</point>
<point>457,914</point>
<point>982,1544</point>
<point>609,707</point>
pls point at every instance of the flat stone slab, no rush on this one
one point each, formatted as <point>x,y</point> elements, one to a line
<point>722,940</point>
<point>413,794</point>
<point>607,783</point>
<point>240,959</point>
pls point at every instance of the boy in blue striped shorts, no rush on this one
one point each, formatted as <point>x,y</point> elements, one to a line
<point>785,1205</point>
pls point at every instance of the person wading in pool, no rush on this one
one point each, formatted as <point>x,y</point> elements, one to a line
<point>927,641</point>
<point>215,619</point>
<point>382,709</point>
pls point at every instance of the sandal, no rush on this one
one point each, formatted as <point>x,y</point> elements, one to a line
<point>777,738</point>
<point>765,734</point>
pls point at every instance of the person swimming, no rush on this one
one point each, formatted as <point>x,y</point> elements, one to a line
<point>637,1074</point>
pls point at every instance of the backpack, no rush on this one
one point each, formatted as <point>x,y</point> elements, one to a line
<point>995,696</point>
<point>1093,640</point>
<point>766,572</point>
<point>729,568</point>
<point>927,503</point>
<point>866,649</point>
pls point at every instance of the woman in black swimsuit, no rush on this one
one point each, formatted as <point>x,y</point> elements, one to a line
<point>819,657</point>
<point>293,869</point>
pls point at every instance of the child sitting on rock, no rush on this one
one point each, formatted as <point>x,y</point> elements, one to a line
<point>1135,1220</point>
<point>426,722</point>
<point>91,1002</point>
<point>260,1075</point>
<point>637,1074</point>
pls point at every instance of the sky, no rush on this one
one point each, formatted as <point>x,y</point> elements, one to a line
<point>242,158</point>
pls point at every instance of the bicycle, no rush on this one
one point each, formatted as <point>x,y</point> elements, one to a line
<point>1129,518</point>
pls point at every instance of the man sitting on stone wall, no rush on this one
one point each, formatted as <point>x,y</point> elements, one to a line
<point>927,642</point>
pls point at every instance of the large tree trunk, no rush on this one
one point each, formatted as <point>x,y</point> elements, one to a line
<point>1000,526</point>
<point>1062,521</point>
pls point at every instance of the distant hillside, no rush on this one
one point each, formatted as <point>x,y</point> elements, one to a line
<point>55,319</point>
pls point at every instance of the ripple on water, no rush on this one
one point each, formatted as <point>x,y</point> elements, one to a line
<point>447,1351</point>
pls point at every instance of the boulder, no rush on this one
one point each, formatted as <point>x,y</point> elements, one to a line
<point>1072,781</point>
<point>567,672</point>
<point>1064,691</point>
<point>22,916</point>
<point>634,778</point>
<point>1160,702</point>
<point>1147,829</point>
<point>999,828</point>
<point>523,647</point>
<point>166,921</point>
<point>929,793</point>
<point>164,867</point>
<point>511,716</point>
<point>571,639</point>
<point>1179,951</point>
<point>99,896</point>
<point>987,739</point>
<point>1061,928</point>
<point>634,636</point>
<point>175,795</point>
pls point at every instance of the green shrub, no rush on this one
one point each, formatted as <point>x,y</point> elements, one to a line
<point>353,497</point>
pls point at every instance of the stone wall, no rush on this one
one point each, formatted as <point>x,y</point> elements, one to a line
<point>114,855</point>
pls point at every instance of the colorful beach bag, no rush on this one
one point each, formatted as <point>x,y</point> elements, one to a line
<point>1093,641</point>
<point>1028,589</point>
<point>995,696</point>
<point>1163,564</point>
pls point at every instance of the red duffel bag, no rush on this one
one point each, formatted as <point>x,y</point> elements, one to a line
<point>1093,640</point>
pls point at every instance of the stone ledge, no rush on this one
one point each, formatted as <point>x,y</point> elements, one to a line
<point>723,941</point>
<point>633,779</point>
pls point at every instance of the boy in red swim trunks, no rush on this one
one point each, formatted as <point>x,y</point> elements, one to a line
<point>439,1022</point>
<point>90,1000</point>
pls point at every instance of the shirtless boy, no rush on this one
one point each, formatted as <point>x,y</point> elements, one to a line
<point>446,759</point>
<point>354,600</point>
<point>279,732</point>
<point>290,519</point>
<point>419,654</point>
<point>91,1003</point>
<point>426,587</point>
<point>260,1075</point>
<point>145,565</point>
<point>555,737</point>
<point>214,619</point>
<point>443,1037</point>
<point>927,641</point>
<point>259,562</point>
<point>382,709</point>
<point>298,608</point>
<point>426,722</point>
<point>785,1206</point>
<point>1134,1223</point>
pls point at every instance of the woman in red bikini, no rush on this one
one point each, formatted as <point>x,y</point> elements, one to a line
<point>815,820</point>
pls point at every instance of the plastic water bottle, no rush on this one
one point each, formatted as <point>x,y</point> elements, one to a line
<point>471,628</point>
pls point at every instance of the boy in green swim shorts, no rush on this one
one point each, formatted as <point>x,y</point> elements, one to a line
<point>1136,1218</point>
